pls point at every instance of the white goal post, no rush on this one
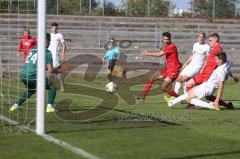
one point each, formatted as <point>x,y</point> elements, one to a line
<point>41,46</point>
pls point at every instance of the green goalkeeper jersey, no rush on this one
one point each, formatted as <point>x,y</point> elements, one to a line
<point>29,70</point>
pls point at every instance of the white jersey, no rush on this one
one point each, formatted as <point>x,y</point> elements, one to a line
<point>218,75</point>
<point>209,87</point>
<point>199,54</point>
<point>56,40</point>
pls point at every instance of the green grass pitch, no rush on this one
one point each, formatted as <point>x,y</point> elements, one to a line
<point>128,130</point>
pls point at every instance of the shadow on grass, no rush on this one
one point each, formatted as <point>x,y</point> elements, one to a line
<point>207,155</point>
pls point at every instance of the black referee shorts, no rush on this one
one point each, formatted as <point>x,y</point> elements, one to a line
<point>111,64</point>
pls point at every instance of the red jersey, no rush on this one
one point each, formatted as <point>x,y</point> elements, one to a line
<point>26,44</point>
<point>172,56</point>
<point>211,65</point>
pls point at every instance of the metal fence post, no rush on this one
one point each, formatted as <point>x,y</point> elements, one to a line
<point>213,13</point>
<point>156,35</point>
<point>57,7</point>
<point>90,7</point>
<point>99,34</point>
<point>103,7</point>
<point>80,6</point>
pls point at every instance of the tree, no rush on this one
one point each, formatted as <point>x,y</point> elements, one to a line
<point>148,7</point>
<point>110,9</point>
<point>70,6</point>
<point>223,8</point>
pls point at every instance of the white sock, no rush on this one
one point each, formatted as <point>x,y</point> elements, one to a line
<point>49,105</point>
<point>16,105</point>
<point>185,87</point>
<point>177,87</point>
<point>200,103</point>
<point>180,99</point>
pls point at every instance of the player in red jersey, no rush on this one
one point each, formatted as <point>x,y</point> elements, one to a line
<point>208,68</point>
<point>27,42</point>
<point>169,73</point>
<point>210,64</point>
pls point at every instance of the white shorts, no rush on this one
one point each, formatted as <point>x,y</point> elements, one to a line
<point>204,90</point>
<point>56,60</point>
<point>190,71</point>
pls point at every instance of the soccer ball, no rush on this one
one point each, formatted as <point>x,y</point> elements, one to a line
<point>111,87</point>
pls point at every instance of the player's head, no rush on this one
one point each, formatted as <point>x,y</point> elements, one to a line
<point>166,36</point>
<point>221,58</point>
<point>26,32</point>
<point>48,38</point>
<point>201,37</point>
<point>54,28</point>
<point>213,39</point>
<point>112,43</point>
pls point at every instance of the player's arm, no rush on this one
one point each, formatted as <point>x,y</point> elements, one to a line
<point>235,79</point>
<point>219,92</point>
<point>205,62</point>
<point>63,44</point>
<point>188,61</point>
<point>20,48</point>
<point>155,54</point>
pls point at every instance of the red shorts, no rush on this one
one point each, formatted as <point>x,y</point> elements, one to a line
<point>169,73</point>
<point>201,77</point>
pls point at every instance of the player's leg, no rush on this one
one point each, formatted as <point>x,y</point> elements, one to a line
<point>57,63</point>
<point>181,79</point>
<point>61,81</point>
<point>157,75</point>
<point>228,105</point>
<point>177,100</point>
<point>185,96</point>
<point>31,89</point>
<point>51,96</point>
<point>167,88</point>
<point>111,66</point>
<point>190,84</point>
<point>199,92</point>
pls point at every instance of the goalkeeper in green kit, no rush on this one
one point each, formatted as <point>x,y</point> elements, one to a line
<point>28,77</point>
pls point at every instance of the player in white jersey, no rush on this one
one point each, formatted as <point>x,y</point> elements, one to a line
<point>57,40</point>
<point>194,63</point>
<point>215,82</point>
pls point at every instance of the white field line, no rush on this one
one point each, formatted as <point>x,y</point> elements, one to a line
<point>54,140</point>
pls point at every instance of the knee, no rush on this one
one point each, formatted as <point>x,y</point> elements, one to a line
<point>208,97</point>
<point>163,88</point>
<point>189,100</point>
<point>152,78</point>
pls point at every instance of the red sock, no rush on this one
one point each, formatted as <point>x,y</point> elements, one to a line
<point>171,92</point>
<point>189,88</point>
<point>221,102</point>
<point>147,87</point>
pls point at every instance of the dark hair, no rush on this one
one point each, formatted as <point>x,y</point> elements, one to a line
<point>216,36</point>
<point>48,38</point>
<point>112,39</point>
<point>167,34</point>
<point>27,29</point>
<point>222,56</point>
<point>203,33</point>
<point>54,24</point>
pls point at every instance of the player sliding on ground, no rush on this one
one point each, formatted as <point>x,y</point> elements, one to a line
<point>209,66</point>
<point>194,63</point>
<point>169,73</point>
<point>28,77</point>
<point>215,82</point>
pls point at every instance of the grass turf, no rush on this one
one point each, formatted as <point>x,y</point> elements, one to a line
<point>129,130</point>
